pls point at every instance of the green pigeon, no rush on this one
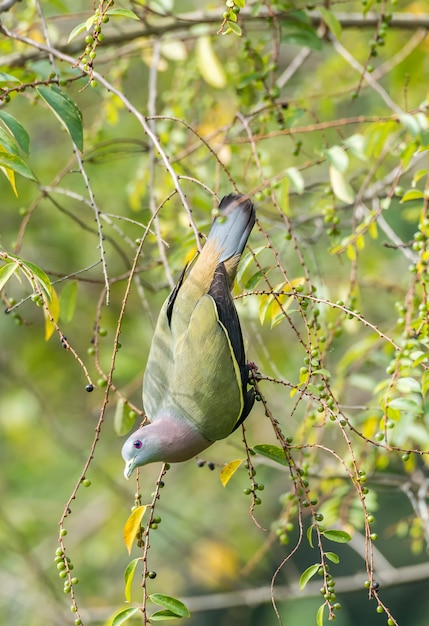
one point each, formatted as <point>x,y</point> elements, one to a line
<point>195,384</point>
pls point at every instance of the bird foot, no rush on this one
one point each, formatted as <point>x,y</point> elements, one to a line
<point>253,371</point>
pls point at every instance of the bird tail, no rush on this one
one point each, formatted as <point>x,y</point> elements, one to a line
<point>231,227</point>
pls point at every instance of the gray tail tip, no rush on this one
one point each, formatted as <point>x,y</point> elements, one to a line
<point>234,200</point>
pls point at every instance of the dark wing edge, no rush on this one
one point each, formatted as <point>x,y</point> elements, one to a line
<point>173,295</point>
<point>228,316</point>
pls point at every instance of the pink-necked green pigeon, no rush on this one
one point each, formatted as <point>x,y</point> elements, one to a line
<point>195,384</point>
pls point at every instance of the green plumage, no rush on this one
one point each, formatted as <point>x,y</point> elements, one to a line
<point>195,383</point>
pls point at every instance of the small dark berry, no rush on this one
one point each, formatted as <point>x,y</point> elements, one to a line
<point>89,388</point>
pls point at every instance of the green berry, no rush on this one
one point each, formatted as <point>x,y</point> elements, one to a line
<point>63,532</point>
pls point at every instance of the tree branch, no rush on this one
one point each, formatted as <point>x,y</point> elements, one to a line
<point>185,21</point>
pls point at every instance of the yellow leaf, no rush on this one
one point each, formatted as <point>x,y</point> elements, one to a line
<point>10,175</point>
<point>360,242</point>
<point>132,526</point>
<point>229,470</point>
<point>209,65</point>
<point>351,252</point>
<point>373,232</point>
<point>54,313</point>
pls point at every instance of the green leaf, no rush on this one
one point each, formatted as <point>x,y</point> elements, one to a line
<point>310,535</point>
<point>77,30</point>
<point>8,78</point>
<point>425,383</point>
<point>235,28</point>
<point>172,604</point>
<point>246,262</point>
<point>331,21</point>
<point>124,616</point>
<point>411,123</point>
<point>407,384</point>
<point>298,33</point>
<point>118,420</point>
<point>271,452</point>
<point>405,405</point>
<point>129,577</point>
<point>357,146</point>
<point>160,616</point>
<point>339,536</point>
<point>418,175</point>
<point>15,163</point>
<point>228,471</point>
<point>66,111</point>
<point>319,615</point>
<point>34,272</point>
<point>334,558</point>
<point>255,279</point>
<point>7,142</point>
<point>296,178</point>
<point>6,271</point>
<point>307,575</point>
<point>340,186</point>
<point>17,130</point>
<point>132,526</point>
<point>412,194</point>
<point>338,158</point>
<point>68,299</point>
<point>123,13</point>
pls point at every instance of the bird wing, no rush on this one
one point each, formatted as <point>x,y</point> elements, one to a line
<point>228,316</point>
<point>206,386</point>
<point>159,366</point>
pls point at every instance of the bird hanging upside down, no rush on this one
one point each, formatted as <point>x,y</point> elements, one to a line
<point>195,383</point>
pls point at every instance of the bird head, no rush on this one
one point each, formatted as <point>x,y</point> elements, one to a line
<point>140,448</point>
<point>169,439</point>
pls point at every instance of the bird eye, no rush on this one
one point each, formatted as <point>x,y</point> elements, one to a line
<point>138,444</point>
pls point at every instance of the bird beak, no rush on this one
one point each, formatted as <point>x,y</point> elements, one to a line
<point>129,467</point>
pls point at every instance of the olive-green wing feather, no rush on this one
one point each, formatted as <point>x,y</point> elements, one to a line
<point>206,384</point>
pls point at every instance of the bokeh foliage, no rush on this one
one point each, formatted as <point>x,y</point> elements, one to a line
<point>121,125</point>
